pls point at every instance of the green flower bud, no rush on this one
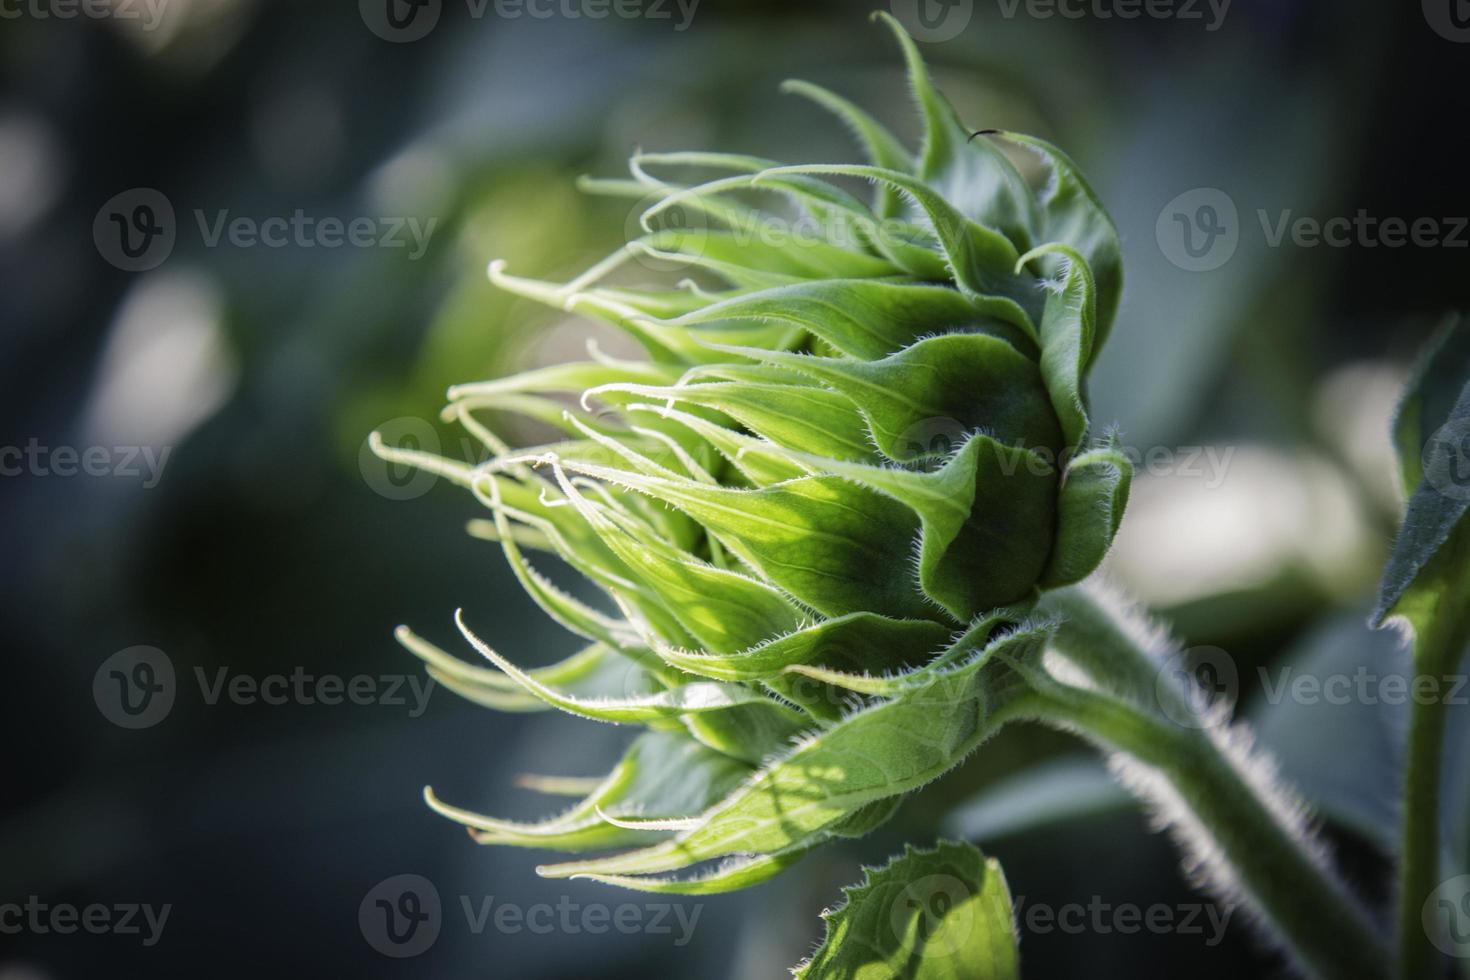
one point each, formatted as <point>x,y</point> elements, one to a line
<point>823,506</point>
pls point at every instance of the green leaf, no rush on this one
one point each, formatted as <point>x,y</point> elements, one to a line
<point>761,724</point>
<point>809,419</point>
<point>905,246</point>
<point>593,672</point>
<point>1430,396</point>
<point>661,775</point>
<point>861,642</point>
<point>941,914</point>
<point>1426,585</point>
<point>987,517</point>
<point>965,381</point>
<point>1068,329</point>
<point>724,610</point>
<point>979,180</point>
<point>1427,579</point>
<point>1073,216</point>
<point>832,545</point>
<point>882,147</point>
<point>865,318</point>
<point>1366,795</point>
<point>1093,497</point>
<point>756,459</point>
<point>981,259</point>
<point>857,638</point>
<point>984,631</point>
<point>879,752</point>
<point>731,876</point>
<point>585,552</point>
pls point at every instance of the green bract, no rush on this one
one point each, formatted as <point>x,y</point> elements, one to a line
<point>824,505</point>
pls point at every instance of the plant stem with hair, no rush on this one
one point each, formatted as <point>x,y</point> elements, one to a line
<point>1246,834</point>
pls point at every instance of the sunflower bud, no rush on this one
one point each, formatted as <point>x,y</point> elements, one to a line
<point>822,507</point>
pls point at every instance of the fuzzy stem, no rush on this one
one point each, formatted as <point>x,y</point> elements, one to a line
<point>1438,642</point>
<point>1251,839</point>
<point>1419,865</point>
<point>1436,614</point>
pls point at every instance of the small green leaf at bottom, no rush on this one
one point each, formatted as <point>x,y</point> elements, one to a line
<point>943,914</point>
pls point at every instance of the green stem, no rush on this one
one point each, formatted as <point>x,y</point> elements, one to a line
<point>1436,611</point>
<point>1419,862</point>
<point>1441,632</point>
<point>1309,909</point>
